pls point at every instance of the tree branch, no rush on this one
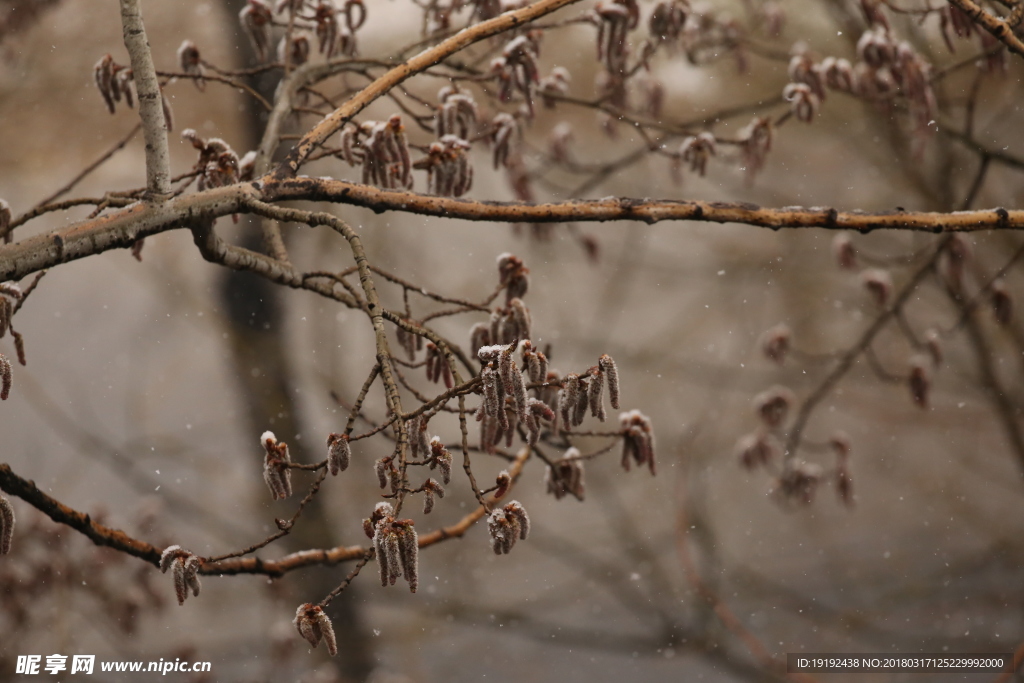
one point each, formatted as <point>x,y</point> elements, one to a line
<point>151,107</point>
<point>999,29</point>
<point>79,521</point>
<point>645,210</point>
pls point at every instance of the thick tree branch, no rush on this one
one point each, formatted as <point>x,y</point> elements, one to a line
<point>122,228</point>
<point>999,29</point>
<point>151,107</point>
<point>118,230</point>
<point>645,210</point>
<point>79,521</point>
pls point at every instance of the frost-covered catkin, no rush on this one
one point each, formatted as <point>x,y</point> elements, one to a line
<point>6,525</point>
<point>502,483</point>
<point>386,472</point>
<point>582,401</point>
<point>506,525</point>
<point>339,453</point>
<point>570,395</point>
<point>489,380</point>
<point>397,548</point>
<point>430,489</point>
<point>537,410</point>
<point>611,373</point>
<point>6,377</point>
<point>441,459</point>
<point>517,512</point>
<point>565,476</point>
<point>480,336</point>
<point>391,554</point>
<point>506,367</point>
<point>595,394</point>
<point>419,442</point>
<point>637,440</point>
<point>500,532</point>
<point>314,625</point>
<point>408,547</point>
<point>276,471</point>
<point>514,275</point>
<point>519,393</point>
<point>184,568</point>
<point>521,317</point>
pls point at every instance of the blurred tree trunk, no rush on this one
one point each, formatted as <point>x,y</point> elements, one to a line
<point>261,362</point>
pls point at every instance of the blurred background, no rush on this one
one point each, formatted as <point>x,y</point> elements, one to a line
<point>148,384</point>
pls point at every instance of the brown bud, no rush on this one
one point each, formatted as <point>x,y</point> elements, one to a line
<point>844,251</point>
<point>775,342</point>
<point>503,482</point>
<point>878,282</point>
<point>920,381</point>
<point>772,405</point>
<point>757,449</point>
<point>933,343</point>
<point>1002,304</point>
<point>799,483</point>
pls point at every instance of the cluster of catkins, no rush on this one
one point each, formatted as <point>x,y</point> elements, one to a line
<point>382,149</point>
<point>885,67</point>
<point>928,354</point>
<point>762,448</point>
<point>507,525</point>
<point>565,476</point>
<point>277,471</point>
<point>115,81</point>
<point>184,568</point>
<point>396,546</point>
<point>333,27</point>
<point>219,165</point>
<point>313,625</point>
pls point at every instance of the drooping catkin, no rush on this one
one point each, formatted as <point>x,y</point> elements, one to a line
<point>611,373</point>
<point>6,377</point>
<point>441,459</point>
<point>582,401</point>
<point>430,489</point>
<point>6,525</point>
<point>184,568</point>
<point>276,471</point>
<point>595,394</point>
<point>339,453</point>
<point>637,440</point>
<point>314,625</point>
